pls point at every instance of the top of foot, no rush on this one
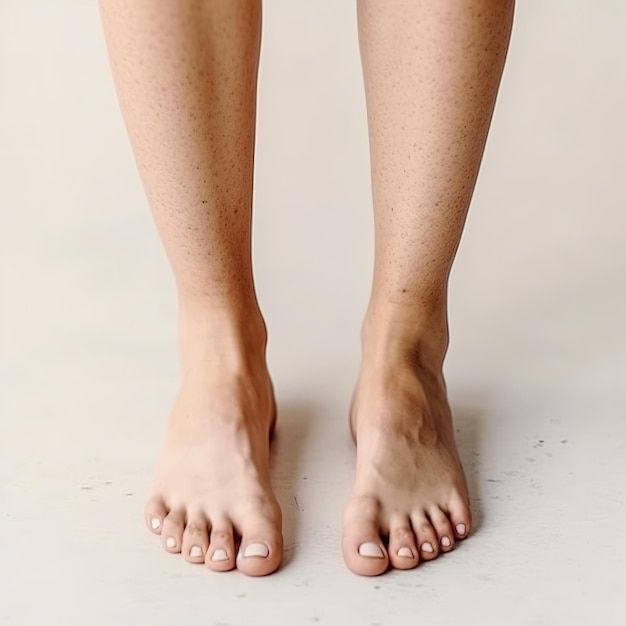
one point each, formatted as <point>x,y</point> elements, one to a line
<point>410,501</point>
<point>212,500</point>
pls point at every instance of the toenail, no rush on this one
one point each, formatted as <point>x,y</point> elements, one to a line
<point>427,547</point>
<point>155,523</point>
<point>460,528</point>
<point>445,542</point>
<point>171,542</point>
<point>405,552</point>
<point>371,549</point>
<point>219,555</point>
<point>195,551</point>
<point>256,549</point>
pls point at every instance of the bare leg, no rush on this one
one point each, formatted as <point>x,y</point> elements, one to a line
<point>432,70</point>
<point>186,79</point>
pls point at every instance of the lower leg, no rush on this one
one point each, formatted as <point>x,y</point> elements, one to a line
<point>186,80</point>
<point>432,70</point>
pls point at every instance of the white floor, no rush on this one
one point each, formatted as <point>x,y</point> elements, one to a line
<point>536,369</point>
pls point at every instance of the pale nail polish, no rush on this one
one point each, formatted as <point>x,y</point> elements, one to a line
<point>219,555</point>
<point>427,547</point>
<point>445,542</point>
<point>155,522</point>
<point>460,528</point>
<point>171,542</point>
<point>406,552</point>
<point>256,549</point>
<point>195,551</point>
<point>371,549</point>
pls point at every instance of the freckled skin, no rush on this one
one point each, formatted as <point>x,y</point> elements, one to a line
<point>431,72</point>
<point>185,74</point>
<point>186,77</point>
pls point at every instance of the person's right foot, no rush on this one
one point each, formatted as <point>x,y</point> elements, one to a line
<point>212,485</point>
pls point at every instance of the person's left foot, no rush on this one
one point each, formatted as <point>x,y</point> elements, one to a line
<point>410,499</point>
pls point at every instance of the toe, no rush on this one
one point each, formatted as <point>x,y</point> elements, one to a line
<point>261,549</point>
<point>260,552</point>
<point>443,528</point>
<point>425,535</point>
<point>460,518</point>
<point>221,554</point>
<point>154,513</point>
<point>195,539</point>
<point>172,531</point>
<point>363,551</point>
<point>402,550</point>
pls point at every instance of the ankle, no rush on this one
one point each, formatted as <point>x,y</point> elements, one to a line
<point>392,333</point>
<point>225,336</point>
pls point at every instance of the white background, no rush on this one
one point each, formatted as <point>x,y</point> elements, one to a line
<point>536,368</point>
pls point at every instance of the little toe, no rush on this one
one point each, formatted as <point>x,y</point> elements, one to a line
<point>221,554</point>
<point>363,551</point>
<point>426,537</point>
<point>154,513</point>
<point>195,539</point>
<point>403,553</point>
<point>443,528</point>
<point>172,531</point>
<point>460,518</point>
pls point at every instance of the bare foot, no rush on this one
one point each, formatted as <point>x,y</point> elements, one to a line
<point>410,499</point>
<point>212,484</point>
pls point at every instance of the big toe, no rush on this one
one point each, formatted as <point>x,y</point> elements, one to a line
<point>363,550</point>
<point>261,549</point>
<point>260,553</point>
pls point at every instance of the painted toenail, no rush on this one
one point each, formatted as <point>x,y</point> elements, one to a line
<point>171,542</point>
<point>445,542</point>
<point>219,555</point>
<point>195,551</point>
<point>405,552</point>
<point>371,549</point>
<point>256,549</point>
<point>460,528</point>
<point>155,522</point>
<point>427,547</point>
